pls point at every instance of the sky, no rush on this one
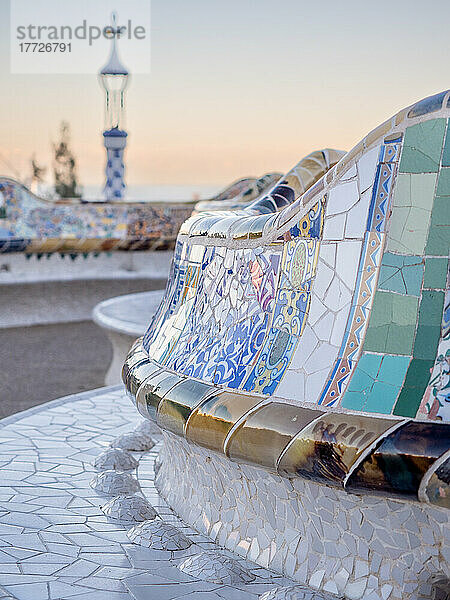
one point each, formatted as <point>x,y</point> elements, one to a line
<point>237,88</point>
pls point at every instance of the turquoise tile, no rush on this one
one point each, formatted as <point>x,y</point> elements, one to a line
<point>446,153</point>
<point>353,400</point>
<point>370,363</point>
<point>393,369</point>
<point>413,275</point>
<point>391,279</point>
<point>384,392</point>
<point>393,260</point>
<point>422,147</point>
<point>365,373</point>
<point>362,381</point>
<point>382,398</point>
<point>402,274</point>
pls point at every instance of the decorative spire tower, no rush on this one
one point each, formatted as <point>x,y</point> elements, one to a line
<point>114,80</point>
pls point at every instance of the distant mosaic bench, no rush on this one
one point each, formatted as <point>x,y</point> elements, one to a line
<point>125,318</point>
<point>299,368</point>
<point>39,226</point>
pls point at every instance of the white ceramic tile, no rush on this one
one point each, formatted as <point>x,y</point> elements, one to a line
<point>356,224</point>
<point>327,253</point>
<point>324,327</point>
<point>324,276</point>
<point>334,227</point>
<point>341,198</point>
<point>347,262</point>
<point>292,386</point>
<point>366,168</point>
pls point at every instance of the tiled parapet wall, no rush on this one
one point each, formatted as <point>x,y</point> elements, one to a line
<point>313,340</point>
<point>33,225</point>
<point>358,546</point>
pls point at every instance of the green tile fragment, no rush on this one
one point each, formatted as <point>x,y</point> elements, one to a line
<point>438,243</point>
<point>446,152</point>
<point>416,381</point>
<point>392,324</point>
<point>411,212</point>
<point>443,186</point>
<point>431,307</point>
<point>422,147</point>
<point>435,273</point>
<point>429,326</point>
<point>441,211</point>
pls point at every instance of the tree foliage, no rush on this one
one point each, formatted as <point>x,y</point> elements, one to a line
<point>64,166</point>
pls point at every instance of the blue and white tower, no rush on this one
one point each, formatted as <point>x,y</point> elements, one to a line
<point>114,80</point>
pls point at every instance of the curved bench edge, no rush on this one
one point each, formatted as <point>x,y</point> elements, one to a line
<point>359,453</point>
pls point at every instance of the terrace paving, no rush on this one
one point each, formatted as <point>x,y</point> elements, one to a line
<point>55,541</point>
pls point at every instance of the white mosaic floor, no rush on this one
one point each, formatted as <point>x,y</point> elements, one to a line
<point>55,542</point>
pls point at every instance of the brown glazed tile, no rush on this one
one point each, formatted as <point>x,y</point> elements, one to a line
<point>263,435</point>
<point>313,191</point>
<point>377,133</point>
<point>326,449</point>
<point>438,487</point>
<point>397,465</point>
<point>179,402</point>
<point>152,391</point>
<point>211,422</point>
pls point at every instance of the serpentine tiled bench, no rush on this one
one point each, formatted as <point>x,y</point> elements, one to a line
<point>36,225</point>
<point>239,194</point>
<point>299,368</point>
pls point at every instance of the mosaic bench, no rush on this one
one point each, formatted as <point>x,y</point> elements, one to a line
<point>239,194</point>
<point>298,366</point>
<point>36,226</point>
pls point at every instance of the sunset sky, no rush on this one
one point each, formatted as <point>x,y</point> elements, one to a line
<point>237,87</point>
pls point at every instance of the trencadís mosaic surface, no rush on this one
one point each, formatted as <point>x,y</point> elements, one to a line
<point>239,194</point>
<point>309,333</point>
<point>34,225</point>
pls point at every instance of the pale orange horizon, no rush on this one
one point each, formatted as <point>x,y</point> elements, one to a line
<point>236,89</point>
